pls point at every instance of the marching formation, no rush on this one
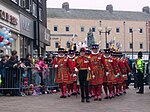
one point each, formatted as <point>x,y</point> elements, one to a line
<point>91,71</point>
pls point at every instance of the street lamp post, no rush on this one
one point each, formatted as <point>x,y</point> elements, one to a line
<point>106,32</point>
<point>132,43</point>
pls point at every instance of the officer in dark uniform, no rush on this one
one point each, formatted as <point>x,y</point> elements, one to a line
<point>140,74</point>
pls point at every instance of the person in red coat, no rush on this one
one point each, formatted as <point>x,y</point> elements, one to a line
<point>82,69</point>
<point>62,71</point>
<point>124,72</point>
<point>72,87</point>
<point>109,76</point>
<point>97,72</point>
<point>117,72</point>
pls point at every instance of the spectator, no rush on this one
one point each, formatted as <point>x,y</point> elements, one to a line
<point>37,78</point>
<point>3,64</point>
<point>50,59</point>
<point>41,65</point>
<point>28,64</point>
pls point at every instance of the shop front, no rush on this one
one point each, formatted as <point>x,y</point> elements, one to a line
<point>26,35</point>
<point>9,19</point>
<point>44,39</point>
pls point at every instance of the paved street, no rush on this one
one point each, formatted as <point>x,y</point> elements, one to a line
<point>130,102</point>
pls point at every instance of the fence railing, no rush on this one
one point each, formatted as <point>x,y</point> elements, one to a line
<point>15,80</point>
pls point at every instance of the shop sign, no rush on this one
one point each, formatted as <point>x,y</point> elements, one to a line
<point>8,17</point>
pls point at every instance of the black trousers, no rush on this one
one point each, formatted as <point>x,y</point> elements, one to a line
<point>84,84</point>
<point>140,76</point>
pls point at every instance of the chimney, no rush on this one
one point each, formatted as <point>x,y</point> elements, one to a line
<point>65,6</point>
<point>109,8</point>
<point>146,9</point>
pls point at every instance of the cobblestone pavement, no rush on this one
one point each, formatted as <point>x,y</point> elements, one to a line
<point>131,102</point>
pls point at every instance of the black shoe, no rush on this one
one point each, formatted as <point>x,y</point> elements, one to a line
<point>140,92</point>
<point>125,92</point>
<point>106,97</point>
<point>82,100</point>
<point>61,96</point>
<point>65,96</point>
<point>87,100</point>
<point>117,95</point>
<point>95,99</point>
<point>100,99</point>
<point>78,93</point>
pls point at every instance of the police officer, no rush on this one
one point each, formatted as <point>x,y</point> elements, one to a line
<point>140,74</point>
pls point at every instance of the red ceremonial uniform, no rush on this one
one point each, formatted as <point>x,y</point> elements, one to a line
<point>109,73</point>
<point>123,69</point>
<point>72,64</point>
<point>97,69</point>
<point>62,73</point>
<point>117,71</point>
<point>82,63</point>
<point>127,65</point>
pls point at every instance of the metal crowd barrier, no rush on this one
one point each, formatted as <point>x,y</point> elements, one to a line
<point>10,80</point>
<point>16,80</point>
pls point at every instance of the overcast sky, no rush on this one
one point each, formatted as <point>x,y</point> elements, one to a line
<point>126,5</point>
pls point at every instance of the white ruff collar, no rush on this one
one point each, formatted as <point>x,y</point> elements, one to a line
<point>61,56</point>
<point>71,56</point>
<point>94,53</point>
<point>107,56</point>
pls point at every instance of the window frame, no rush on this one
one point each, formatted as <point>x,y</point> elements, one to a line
<point>94,29</point>
<point>56,42</point>
<point>117,29</point>
<point>55,26</point>
<point>130,45</point>
<point>34,13</point>
<point>82,27</point>
<point>130,30</point>
<point>40,14</point>
<point>140,45</point>
<point>140,29</point>
<point>68,28</point>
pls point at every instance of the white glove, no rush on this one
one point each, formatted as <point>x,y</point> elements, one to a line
<point>93,76</point>
<point>117,74</point>
<point>76,69</point>
<point>124,75</point>
<point>89,68</point>
<point>56,66</point>
<point>107,73</point>
<point>74,75</point>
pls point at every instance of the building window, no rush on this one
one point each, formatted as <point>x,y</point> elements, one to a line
<point>28,5</point>
<point>93,29</point>
<point>55,28</point>
<point>117,30</point>
<point>131,46</point>
<point>141,30</point>
<point>40,14</point>
<point>130,30</point>
<point>56,44</point>
<point>67,28</point>
<point>15,1</point>
<point>40,1</point>
<point>34,10</point>
<point>141,45</point>
<point>82,29</point>
<point>22,3</point>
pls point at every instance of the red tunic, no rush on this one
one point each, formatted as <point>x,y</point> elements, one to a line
<point>97,69</point>
<point>127,65</point>
<point>62,71</point>
<point>82,62</point>
<point>72,64</point>
<point>117,71</point>
<point>109,75</point>
<point>123,69</point>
